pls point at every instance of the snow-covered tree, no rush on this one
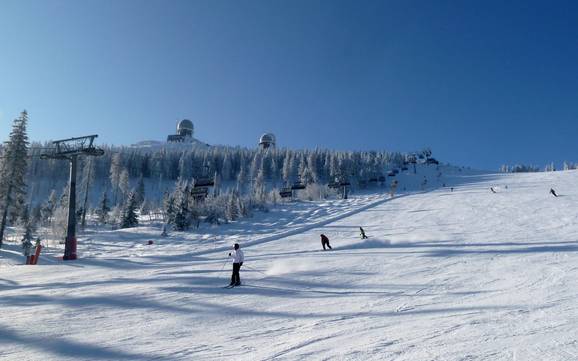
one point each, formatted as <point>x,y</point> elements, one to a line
<point>140,191</point>
<point>181,219</point>
<point>103,209</point>
<point>124,184</point>
<point>14,168</point>
<point>129,217</point>
<point>49,207</point>
<point>115,170</point>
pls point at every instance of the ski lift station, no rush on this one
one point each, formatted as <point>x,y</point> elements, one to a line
<point>185,130</point>
<point>267,140</point>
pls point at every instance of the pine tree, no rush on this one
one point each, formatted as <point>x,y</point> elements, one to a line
<point>123,184</point>
<point>115,170</point>
<point>129,217</point>
<point>140,191</point>
<point>103,209</point>
<point>49,207</point>
<point>216,184</point>
<point>232,210</point>
<point>169,208</point>
<point>182,214</point>
<point>14,167</point>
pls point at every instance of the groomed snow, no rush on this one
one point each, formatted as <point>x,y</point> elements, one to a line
<point>462,275</point>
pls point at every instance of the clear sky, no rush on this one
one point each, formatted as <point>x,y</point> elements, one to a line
<point>481,82</point>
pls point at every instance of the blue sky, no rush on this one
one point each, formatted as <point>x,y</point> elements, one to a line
<point>481,82</point>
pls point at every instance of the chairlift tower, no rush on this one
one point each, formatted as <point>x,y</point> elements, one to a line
<point>70,149</point>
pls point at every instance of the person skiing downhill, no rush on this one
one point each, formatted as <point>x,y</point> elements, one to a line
<point>238,258</point>
<point>362,233</point>
<point>393,188</point>
<point>325,242</point>
<point>553,192</point>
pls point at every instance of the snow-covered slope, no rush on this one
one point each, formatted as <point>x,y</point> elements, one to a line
<point>462,275</point>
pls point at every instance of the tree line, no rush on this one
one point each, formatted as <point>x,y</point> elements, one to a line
<point>129,183</point>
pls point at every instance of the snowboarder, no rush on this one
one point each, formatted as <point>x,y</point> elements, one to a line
<point>553,192</point>
<point>238,258</point>
<point>363,236</point>
<point>325,242</point>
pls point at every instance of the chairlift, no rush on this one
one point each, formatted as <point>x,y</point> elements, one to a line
<point>204,182</point>
<point>199,193</point>
<point>286,193</point>
<point>298,185</point>
<point>333,185</point>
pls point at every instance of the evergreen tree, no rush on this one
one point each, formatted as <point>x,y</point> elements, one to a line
<point>123,184</point>
<point>232,210</point>
<point>49,207</point>
<point>169,208</point>
<point>14,167</point>
<point>182,214</point>
<point>103,209</point>
<point>129,217</point>
<point>216,184</point>
<point>115,170</point>
<point>140,191</point>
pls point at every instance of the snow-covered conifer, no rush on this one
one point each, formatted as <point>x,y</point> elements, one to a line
<point>103,209</point>
<point>129,217</point>
<point>14,168</point>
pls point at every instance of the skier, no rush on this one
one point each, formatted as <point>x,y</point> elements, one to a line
<point>363,236</point>
<point>238,258</point>
<point>424,183</point>
<point>393,188</point>
<point>325,242</point>
<point>27,249</point>
<point>553,192</point>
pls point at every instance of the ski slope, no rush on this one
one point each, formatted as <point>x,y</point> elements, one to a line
<point>462,275</point>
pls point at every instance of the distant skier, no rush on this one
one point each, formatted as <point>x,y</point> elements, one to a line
<point>362,233</point>
<point>553,192</point>
<point>492,189</point>
<point>27,249</point>
<point>424,183</point>
<point>325,242</point>
<point>238,258</point>
<point>393,188</point>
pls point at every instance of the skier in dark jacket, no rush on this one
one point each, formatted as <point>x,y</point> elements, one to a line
<point>363,236</point>
<point>553,192</point>
<point>325,242</point>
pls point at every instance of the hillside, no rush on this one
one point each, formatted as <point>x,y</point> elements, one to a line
<point>445,275</point>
